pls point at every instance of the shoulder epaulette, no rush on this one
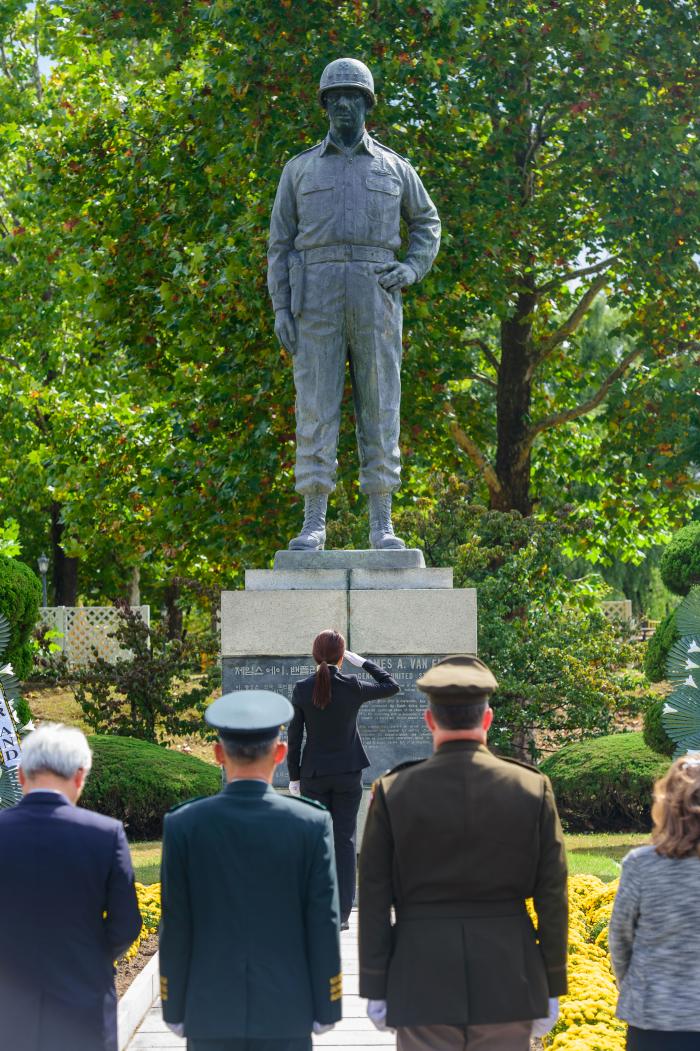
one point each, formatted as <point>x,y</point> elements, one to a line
<point>308,150</point>
<point>403,766</point>
<point>519,762</point>
<point>179,806</point>
<point>394,770</point>
<point>389,150</point>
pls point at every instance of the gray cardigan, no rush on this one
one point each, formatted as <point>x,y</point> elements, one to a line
<point>653,939</point>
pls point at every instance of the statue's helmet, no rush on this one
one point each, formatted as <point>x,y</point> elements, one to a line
<point>347,73</point>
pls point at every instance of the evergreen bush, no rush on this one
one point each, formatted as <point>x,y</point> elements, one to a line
<point>605,784</point>
<point>659,647</point>
<point>20,596</point>
<point>654,734</point>
<point>149,692</point>
<point>138,782</point>
<point>680,561</point>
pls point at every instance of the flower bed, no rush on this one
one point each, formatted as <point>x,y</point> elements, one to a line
<point>149,906</point>
<point>587,1020</point>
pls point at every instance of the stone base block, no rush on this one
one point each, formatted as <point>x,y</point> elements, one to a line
<point>413,621</point>
<point>296,580</point>
<point>279,623</point>
<point>406,558</point>
<point>398,579</point>
<point>346,579</point>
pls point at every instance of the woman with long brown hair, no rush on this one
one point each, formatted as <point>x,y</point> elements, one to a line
<point>656,919</point>
<point>326,705</point>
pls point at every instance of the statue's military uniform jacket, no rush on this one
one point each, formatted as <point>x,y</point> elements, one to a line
<point>456,844</point>
<point>330,197</point>
<point>249,940</point>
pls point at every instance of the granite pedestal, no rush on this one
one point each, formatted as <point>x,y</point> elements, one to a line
<point>389,607</point>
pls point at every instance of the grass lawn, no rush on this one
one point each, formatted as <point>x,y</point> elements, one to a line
<point>593,853</point>
<point>56,704</point>
<point>146,861</point>
<point>600,853</point>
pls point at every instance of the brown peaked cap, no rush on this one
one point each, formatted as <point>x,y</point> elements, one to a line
<point>458,679</point>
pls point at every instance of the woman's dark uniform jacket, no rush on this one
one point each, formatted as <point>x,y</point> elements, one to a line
<point>456,844</point>
<point>69,910</point>
<point>249,943</point>
<point>333,743</point>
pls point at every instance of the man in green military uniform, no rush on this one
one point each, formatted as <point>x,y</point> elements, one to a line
<point>455,844</point>
<point>249,937</point>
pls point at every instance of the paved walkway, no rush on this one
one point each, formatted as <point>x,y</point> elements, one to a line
<point>355,1031</point>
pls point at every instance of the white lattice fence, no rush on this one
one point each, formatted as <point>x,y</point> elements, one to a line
<point>85,628</point>
<point>619,609</point>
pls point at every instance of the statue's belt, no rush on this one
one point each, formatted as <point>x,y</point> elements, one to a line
<point>345,254</point>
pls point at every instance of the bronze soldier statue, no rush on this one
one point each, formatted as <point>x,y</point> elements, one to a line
<point>336,284</point>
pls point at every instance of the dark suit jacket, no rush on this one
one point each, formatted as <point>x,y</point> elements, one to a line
<point>249,936</point>
<point>455,845</point>
<point>333,743</point>
<point>62,869</point>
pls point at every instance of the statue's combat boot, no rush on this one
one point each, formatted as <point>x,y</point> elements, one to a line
<point>313,531</point>
<point>381,531</point>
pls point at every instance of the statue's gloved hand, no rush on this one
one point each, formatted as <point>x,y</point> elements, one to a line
<point>395,275</point>
<point>286,330</point>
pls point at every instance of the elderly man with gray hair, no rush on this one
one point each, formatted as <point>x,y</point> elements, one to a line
<point>69,904</point>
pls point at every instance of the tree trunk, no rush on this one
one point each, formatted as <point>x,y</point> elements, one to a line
<point>513,401</point>
<point>173,612</point>
<point>65,570</point>
<point>134,587</point>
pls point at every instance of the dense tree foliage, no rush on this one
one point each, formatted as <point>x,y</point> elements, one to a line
<point>561,667</point>
<point>551,353</point>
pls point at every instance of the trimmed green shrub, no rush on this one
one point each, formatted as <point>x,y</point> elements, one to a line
<point>659,647</point>
<point>138,782</point>
<point>605,784</point>
<point>680,561</point>
<point>654,734</point>
<point>20,596</point>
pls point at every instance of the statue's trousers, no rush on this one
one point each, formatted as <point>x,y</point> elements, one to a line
<point>346,315</point>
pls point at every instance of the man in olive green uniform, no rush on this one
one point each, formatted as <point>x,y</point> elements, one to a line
<point>249,938</point>
<point>455,844</point>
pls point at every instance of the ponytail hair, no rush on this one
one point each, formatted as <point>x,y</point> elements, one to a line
<point>328,648</point>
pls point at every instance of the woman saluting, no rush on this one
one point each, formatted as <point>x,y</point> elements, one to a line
<point>330,768</point>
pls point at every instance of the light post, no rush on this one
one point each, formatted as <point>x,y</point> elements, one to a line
<point>43,563</point>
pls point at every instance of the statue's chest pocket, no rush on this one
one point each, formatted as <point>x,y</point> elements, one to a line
<point>316,199</point>
<point>383,199</point>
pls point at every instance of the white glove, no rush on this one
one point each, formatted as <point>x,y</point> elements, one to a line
<point>178,1028</point>
<point>295,788</point>
<point>376,1012</point>
<point>541,1026</point>
<point>320,1027</point>
<point>354,658</point>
